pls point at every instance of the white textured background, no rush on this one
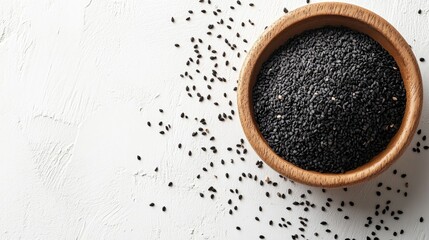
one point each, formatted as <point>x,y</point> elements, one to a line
<point>78,82</point>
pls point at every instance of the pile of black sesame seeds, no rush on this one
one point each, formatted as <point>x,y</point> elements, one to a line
<point>329,100</point>
<point>217,185</point>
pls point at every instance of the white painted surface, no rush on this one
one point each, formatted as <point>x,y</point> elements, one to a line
<point>80,79</point>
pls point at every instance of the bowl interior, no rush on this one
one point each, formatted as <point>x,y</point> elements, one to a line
<point>290,26</point>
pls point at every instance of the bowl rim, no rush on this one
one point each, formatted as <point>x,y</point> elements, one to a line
<point>409,71</point>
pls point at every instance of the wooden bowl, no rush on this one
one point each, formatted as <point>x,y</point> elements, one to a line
<point>315,16</point>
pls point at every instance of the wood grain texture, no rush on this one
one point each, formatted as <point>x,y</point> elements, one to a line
<point>335,14</point>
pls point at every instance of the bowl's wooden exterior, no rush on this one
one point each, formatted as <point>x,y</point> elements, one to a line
<point>334,14</point>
